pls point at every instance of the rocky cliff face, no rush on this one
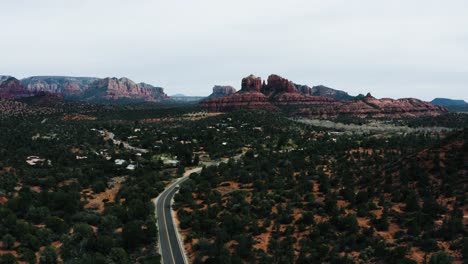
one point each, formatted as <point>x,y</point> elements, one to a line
<point>64,85</point>
<point>111,89</point>
<point>370,106</point>
<point>279,93</point>
<point>12,88</point>
<point>251,83</point>
<point>43,99</point>
<point>94,89</point>
<point>277,84</point>
<point>304,89</point>
<point>324,91</point>
<point>276,92</point>
<point>241,100</point>
<point>222,91</point>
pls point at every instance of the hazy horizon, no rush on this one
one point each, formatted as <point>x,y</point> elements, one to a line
<point>392,49</point>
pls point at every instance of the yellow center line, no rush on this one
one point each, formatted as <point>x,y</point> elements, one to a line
<point>165,222</point>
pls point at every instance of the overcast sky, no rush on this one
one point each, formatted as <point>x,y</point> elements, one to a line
<point>391,48</point>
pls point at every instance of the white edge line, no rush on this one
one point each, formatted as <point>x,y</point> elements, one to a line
<point>165,221</point>
<point>176,228</point>
<point>158,245</point>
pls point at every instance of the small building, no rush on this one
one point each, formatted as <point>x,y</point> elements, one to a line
<point>34,160</point>
<point>131,167</point>
<point>119,162</point>
<point>171,163</point>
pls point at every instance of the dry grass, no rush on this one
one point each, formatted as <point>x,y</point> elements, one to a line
<point>96,201</point>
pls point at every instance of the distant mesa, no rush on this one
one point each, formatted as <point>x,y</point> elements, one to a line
<point>279,93</point>
<point>187,98</point>
<point>448,102</point>
<point>124,89</point>
<point>451,104</point>
<point>12,88</point>
<point>222,91</point>
<point>43,99</point>
<point>68,86</point>
<point>324,91</point>
<point>89,89</point>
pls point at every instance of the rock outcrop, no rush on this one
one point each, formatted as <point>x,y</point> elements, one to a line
<point>222,91</point>
<point>277,84</point>
<point>43,99</point>
<point>301,100</point>
<point>304,89</point>
<point>12,88</point>
<point>68,87</point>
<point>251,83</point>
<point>95,89</point>
<point>249,100</point>
<point>449,102</point>
<point>370,106</point>
<point>123,89</point>
<point>324,91</point>
<point>255,94</point>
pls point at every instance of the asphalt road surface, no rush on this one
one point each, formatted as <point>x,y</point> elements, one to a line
<point>170,247</point>
<point>171,251</point>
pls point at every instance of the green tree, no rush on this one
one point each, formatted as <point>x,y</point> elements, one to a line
<point>8,241</point>
<point>119,256</point>
<point>441,257</point>
<point>48,256</point>
<point>8,259</point>
<point>412,203</point>
<point>27,255</point>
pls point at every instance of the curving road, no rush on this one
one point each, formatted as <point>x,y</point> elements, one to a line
<point>170,246</point>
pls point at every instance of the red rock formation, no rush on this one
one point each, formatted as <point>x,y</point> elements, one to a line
<point>304,89</point>
<point>251,83</point>
<point>296,99</point>
<point>67,86</point>
<point>221,91</point>
<point>12,88</point>
<point>109,89</point>
<point>94,89</point>
<point>240,100</point>
<point>278,84</point>
<point>281,93</point>
<point>369,106</point>
<point>43,99</point>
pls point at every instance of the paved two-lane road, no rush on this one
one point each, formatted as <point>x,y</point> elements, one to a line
<point>170,247</point>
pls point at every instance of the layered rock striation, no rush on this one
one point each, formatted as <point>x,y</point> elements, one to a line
<point>370,106</point>
<point>12,88</point>
<point>251,83</point>
<point>68,87</point>
<point>111,89</point>
<point>279,93</point>
<point>82,89</point>
<point>255,94</point>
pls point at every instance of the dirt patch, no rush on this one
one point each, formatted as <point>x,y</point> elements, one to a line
<point>186,117</point>
<point>97,200</point>
<point>263,239</point>
<point>78,117</point>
